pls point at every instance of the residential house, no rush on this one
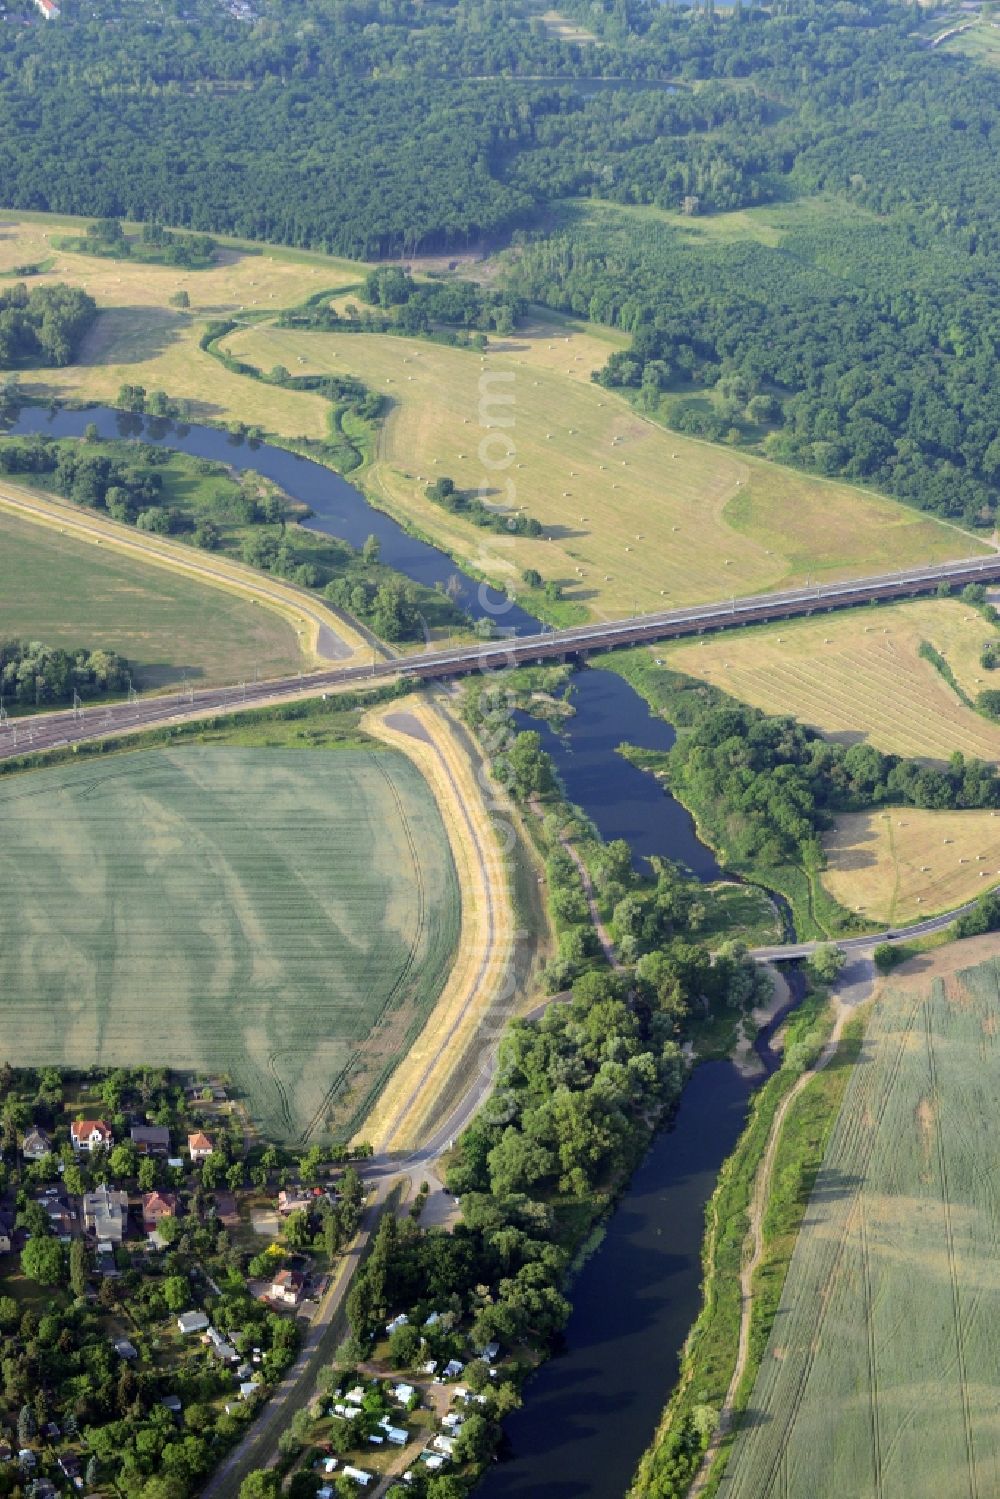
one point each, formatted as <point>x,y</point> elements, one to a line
<point>150,1139</point>
<point>287,1287</point>
<point>221,1348</point>
<point>155,1207</point>
<point>190,1322</point>
<point>105,1214</point>
<point>126,1350</point>
<point>36,1144</point>
<point>6,1228</point>
<point>62,1218</point>
<point>293,1200</point>
<point>91,1134</point>
<point>69,1465</point>
<point>48,8</point>
<point>200,1147</point>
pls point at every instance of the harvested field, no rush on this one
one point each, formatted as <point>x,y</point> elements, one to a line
<point>881,1374</point>
<point>65,592</point>
<point>908,863</point>
<point>635,516</point>
<point>140,339</point>
<point>270,914</point>
<point>858,675</point>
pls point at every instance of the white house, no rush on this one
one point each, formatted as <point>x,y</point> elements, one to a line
<point>90,1134</point>
<point>200,1146</point>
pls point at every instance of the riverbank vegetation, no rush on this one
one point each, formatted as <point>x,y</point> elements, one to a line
<point>764,789</point>
<point>233,512</point>
<point>710,1352</point>
<point>578,1094</point>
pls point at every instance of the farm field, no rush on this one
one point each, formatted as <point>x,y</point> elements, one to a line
<point>907,863</point>
<point>858,675</point>
<point>880,1376</point>
<point>284,916</point>
<point>634,516</point>
<point>140,339</point>
<point>64,592</point>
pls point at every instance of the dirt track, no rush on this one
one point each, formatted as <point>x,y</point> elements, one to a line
<point>854,986</point>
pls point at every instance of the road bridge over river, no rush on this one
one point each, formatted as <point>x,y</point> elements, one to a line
<point>50,730</point>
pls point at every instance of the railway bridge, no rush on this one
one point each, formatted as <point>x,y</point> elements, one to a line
<point>71,726</point>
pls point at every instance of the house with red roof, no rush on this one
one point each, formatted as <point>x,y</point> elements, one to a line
<point>91,1134</point>
<point>155,1207</point>
<point>200,1146</point>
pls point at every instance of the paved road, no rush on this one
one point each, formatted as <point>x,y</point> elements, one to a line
<point>48,730</point>
<point>864,943</point>
<point>259,1448</point>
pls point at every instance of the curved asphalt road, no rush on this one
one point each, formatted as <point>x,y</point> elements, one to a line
<point>863,943</point>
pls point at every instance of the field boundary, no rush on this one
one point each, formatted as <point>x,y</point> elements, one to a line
<point>303,614</point>
<point>482,980</point>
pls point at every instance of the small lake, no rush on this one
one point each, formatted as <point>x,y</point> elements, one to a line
<point>589,1413</point>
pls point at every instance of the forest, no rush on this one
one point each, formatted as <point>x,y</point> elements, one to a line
<point>859,342</point>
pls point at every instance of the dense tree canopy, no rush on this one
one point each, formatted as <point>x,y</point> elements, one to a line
<point>43,326</point>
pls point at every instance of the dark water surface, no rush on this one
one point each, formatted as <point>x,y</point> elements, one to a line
<point>620,799</point>
<point>590,1412</point>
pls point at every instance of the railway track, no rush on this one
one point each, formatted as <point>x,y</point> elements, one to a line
<point>52,730</point>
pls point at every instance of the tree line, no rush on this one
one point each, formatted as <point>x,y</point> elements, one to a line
<point>36,674</point>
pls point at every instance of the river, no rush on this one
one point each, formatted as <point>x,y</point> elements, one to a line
<point>590,1412</point>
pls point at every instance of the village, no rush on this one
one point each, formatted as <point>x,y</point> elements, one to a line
<point>159,1266</point>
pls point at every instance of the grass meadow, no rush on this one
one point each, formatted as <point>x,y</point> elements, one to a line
<point>287,917</point>
<point>907,863</point>
<point>635,517</point>
<point>859,675</point>
<point>68,593</point>
<point>140,339</point>
<point>881,1372</point>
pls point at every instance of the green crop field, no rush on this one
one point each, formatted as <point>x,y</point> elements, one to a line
<point>284,916</point>
<point>880,1379</point>
<point>66,592</point>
